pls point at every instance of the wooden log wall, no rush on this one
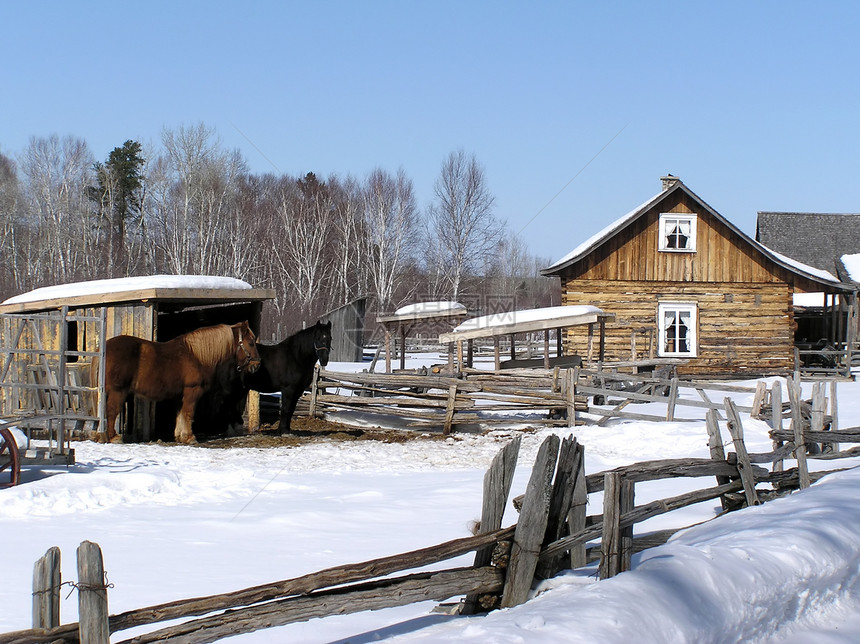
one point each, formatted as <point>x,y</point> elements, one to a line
<point>742,328</point>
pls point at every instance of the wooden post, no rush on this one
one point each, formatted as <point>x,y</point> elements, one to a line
<point>450,357</point>
<point>497,487</point>
<point>496,353</point>
<point>715,443</point>
<point>449,411</point>
<point>387,349</point>
<point>570,379</point>
<point>744,465</point>
<point>253,411</point>
<point>567,472</point>
<point>758,399</point>
<point>673,398</point>
<point>626,505</point>
<point>559,348</point>
<point>610,542</point>
<point>470,353</point>
<point>776,418</point>
<point>601,354</point>
<point>589,355</point>
<point>403,347</point>
<point>794,397</point>
<point>834,412</point>
<point>531,527</point>
<point>46,590</point>
<point>514,348</point>
<point>92,595</point>
<point>546,349</point>
<point>576,518</point>
<point>460,360</point>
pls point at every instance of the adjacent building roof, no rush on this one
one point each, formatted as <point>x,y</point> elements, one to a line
<point>524,321</point>
<point>817,239</point>
<point>823,277</point>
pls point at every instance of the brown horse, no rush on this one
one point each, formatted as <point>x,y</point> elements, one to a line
<point>180,368</point>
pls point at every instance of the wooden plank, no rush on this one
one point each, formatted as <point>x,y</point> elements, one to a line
<point>497,487</point>
<point>531,527</point>
<point>610,543</point>
<point>386,593</point>
<point>744,465</point>
<point>797,432</point>
<point>567,474</point>
<point>715,444</point>
<point>46,589</point>
<point>93,625</point>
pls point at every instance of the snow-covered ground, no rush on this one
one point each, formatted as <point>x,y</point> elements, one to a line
<point>183,521</point>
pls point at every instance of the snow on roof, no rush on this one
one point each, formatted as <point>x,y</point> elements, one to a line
<point>606,232</point>
<point>429,307</point>
<point>800,266</point>
<point>523,321</point>
<point>127,284</point>
<point>852,265</point>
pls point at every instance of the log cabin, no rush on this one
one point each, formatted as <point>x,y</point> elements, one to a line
<point>688,284</point>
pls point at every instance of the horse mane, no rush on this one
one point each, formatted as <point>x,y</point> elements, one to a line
<point>211,345</point>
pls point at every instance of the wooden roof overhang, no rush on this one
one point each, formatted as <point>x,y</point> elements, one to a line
<point>402,323</point>
<point>481,330</point>
<point>182,296</point>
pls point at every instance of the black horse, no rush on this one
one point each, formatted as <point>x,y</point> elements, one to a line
<point>288,367</point>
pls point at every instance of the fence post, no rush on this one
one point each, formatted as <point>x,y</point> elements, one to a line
<point>610,542</point>
<point>46,589</point>
<point>449,411</point>
<point>312,412</point>
<point>715,443</point>
<point>744,465</point>
<point>571,378</point>
<point>794,397</point>
<point>776,419</point>
<point>673,397</point>
<point>819,406</point>
<point>92,595</point>
<point>531,526</point>
<point>568,473</point>
<point>834,412</point>
<point>497,487</point>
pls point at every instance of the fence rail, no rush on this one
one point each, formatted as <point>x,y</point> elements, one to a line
<point>552,533</point>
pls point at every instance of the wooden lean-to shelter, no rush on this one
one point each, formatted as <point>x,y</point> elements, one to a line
<point>687,283</point>
<point>55,333</point>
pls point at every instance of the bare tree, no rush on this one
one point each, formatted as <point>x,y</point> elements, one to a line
<point>463,230</point>
<point>63,242</point>
<point>10,204</point>
<point>390,217</point>
<point>195,199</point>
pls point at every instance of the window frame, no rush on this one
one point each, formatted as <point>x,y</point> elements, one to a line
<point>665,218</point>
<point>693,329</point>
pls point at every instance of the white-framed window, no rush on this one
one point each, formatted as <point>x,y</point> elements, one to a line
<point>677,323</point>
<point>677,232</point>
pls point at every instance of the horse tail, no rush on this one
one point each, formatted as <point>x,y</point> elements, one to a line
<point>211,345</point>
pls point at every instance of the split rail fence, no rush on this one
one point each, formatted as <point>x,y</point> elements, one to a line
<point>553,533</point>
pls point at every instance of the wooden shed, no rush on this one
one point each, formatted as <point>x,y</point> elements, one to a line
<point>156,308</point>
<point>691,285</point>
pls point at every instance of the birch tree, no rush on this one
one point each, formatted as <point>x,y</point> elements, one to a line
<point>463,230</point>
<point>390,216</point>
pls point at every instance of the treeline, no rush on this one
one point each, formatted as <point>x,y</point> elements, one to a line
<point>190,206</point>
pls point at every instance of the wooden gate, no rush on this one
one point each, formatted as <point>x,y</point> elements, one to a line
<point>45,378</point>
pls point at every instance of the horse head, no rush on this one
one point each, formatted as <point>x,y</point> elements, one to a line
<point>322,341</point>
<point>245,342</point>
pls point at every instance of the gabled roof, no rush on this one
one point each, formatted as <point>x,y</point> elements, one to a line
<point>672,185</point>
<point>817,239</point>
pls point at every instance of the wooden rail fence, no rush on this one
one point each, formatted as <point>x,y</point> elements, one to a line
<point>553,533</point>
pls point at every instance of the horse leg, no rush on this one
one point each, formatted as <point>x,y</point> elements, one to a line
<point>115,401</point>
<point>289,398</point>
<point>185,417</point>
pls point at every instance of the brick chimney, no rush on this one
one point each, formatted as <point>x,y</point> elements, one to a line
<point>668,181</point>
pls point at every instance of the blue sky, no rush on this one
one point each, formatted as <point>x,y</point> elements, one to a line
<point>753,104</point>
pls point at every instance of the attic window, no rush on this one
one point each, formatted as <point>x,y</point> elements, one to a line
<point>677,232</point>
<point>677,329</point>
